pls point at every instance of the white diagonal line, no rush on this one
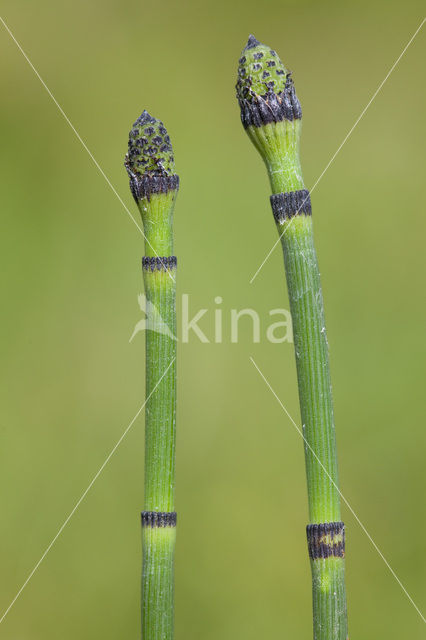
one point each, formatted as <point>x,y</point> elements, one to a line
<point>80,139</point>
<point>83,495</point>
<point>340,493</point>
<point>333,157</point>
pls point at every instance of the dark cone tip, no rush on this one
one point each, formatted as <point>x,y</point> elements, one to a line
<point>144,118</point>
<point>252,42</point>
<point>150,161</point>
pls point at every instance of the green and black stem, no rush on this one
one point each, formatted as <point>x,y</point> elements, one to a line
<point>154,185</point>
<point>272,117</point>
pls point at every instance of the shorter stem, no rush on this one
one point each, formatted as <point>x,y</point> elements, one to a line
<point>154,185</point>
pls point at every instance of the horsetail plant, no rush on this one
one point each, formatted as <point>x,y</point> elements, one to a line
<point>154,186</point>
<point>271,115</point>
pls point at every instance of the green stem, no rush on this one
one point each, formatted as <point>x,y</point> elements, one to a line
<point>316,408</point>
<point>158,543</point>
<point>160,410</point>
<point>158,536</point>
<point>154,185</point>
<point>313,372</point>
<point>271,115</point>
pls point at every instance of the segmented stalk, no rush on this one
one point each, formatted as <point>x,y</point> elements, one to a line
<point>154,185</point>
<point>271,115</point>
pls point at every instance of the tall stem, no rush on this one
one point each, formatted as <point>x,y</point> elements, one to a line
<point>271,114</point>
<point>154,185</point>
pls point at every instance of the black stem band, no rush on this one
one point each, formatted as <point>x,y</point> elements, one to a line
<point>159,263</point>
<point>147,185</point>
<point>270,108</point>
<point>286,205</point>
<point>326,539</point>
<point>155,519</point>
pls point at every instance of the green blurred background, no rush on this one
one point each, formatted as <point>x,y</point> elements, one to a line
<point>70,275</point>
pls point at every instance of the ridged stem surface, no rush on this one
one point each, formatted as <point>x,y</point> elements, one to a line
<point>316,407</point>
<point>157,582</point>
<point>160,410</point>
<point>329,599</point>
<point>311,350</point>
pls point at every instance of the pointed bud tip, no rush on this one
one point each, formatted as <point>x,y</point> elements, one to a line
<point>252,42</point>
<point>144,118</point>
